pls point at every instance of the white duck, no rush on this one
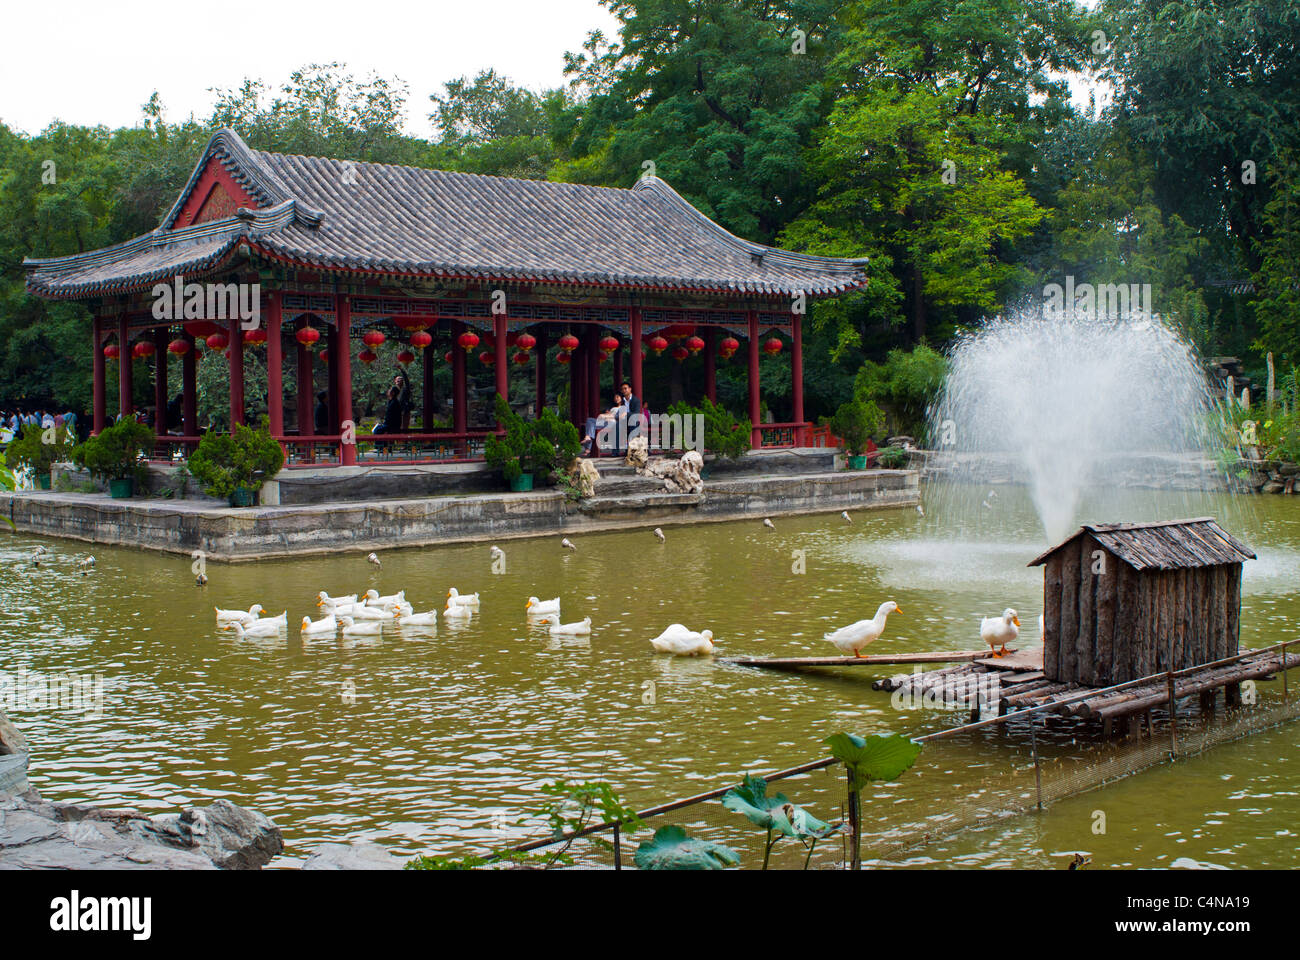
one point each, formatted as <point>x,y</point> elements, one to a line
<point>264,627</point>
<point>542,608</point>
<point>1000,630</point>
<point>580,629</point>
<point>366,628</point>
<point>457,612</point>
<point>227,617</point>
<point>326,626</point>
<point>324,598</point>
<point>362,612</point>
<point>373,599</point>
<point>455,597</point>
<point>681,642</point>
<point>855,636</point>
<point>429,619</point>
<point>342,609</point>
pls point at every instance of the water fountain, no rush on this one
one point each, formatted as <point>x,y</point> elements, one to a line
<point>1091,416</point>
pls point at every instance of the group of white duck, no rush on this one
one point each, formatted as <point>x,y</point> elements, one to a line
<point>355,615</point>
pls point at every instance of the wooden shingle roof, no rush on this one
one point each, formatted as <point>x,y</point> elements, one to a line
<point>1165,545</point>
<point>382,218</point>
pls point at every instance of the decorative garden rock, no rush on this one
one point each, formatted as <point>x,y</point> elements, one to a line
<point>351,856</point>
<point>638,453</point>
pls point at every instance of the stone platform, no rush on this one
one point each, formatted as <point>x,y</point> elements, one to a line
<point>758,485</point>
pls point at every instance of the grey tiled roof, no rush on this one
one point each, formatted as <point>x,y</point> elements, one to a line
<point>380,218</point>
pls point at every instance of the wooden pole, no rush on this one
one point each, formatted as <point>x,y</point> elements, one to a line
<point>711,364</point>
<point>756,435</point>
<point>618,848</point>
<point>274,366</point>
<point>796,375</point>
<point>160,381</point>
<point>541,368</point>
<point>306,392</point>
<point>635,355</point>
<point>100,376</point>
<point>190,388</point>
<point>503,357</point>
<point>125,403</point>
<point>459,387</point>
<point>341,361</point>
<point>426,407</point>
<point>1173,716</point>
<point>1033,745</point>
<point>236,365</point>
<point>855,822</point>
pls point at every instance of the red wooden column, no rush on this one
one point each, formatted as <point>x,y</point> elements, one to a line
<point>341,361</point>
<point>306,392</point>
<point>190,388</point>
<point>710,339</point>
<point>594,401</point>
<point>618,364</point>
<point>426,410</point>
<point>125,405</point>
<point>331,380</point>
<point>100,377</point>
<point>274,365</point>
<point>236,374</point>
<point>756,436</point>
<point>796,375</point>
<point>635,349</point>
<point>503,356</point>
<point>160,381</point>
<point>459,389</point>
<point>541,368</point>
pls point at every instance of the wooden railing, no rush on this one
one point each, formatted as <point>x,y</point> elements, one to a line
<point>439,447</point>
<point>173,449</point>
<point>781,434</point>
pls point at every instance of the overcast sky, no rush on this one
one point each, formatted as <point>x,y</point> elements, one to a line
<point>97,62</point>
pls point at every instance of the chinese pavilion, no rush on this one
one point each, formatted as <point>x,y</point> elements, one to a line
<point>345,252</point>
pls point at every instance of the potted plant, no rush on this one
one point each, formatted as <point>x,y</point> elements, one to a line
<point>233,467</point>
<point>117,455</point>
<point>854,423</point>
<point>38,448</point>
<point>530,451</point>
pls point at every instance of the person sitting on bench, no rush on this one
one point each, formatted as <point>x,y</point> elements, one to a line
<point>595,424</point>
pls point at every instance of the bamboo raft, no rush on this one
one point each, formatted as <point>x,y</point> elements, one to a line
<point>1018,683</point>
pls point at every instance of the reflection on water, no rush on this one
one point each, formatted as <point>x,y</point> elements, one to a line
<point>423,741</point>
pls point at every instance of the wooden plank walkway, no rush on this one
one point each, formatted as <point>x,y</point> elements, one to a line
<point>795,663</point>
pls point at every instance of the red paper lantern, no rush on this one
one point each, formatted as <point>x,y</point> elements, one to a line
<point>680,354</point>
<point>307,336</point>
<point>111,351</point>
<point>411,324</point>
<point>773,346</point>
<point>487,358</point>
<point>568,343</point>
<point>520,358</point>
<point>373,338</point>
<point>609,344</point>
<point>729,346</point>
<point>324,356</point>
<point>602,357</point>
<point>420,339</point>
<point>179,347</point>
<point>199,329</point>
<point>695,344</point>
<point>563,358</point>
<point>405,357</point>
<point>526,341</point>
<point>219,341</point>
<point>142,348</point>
<point>366,357</point>
<point>255,336</point>
<point>447,356</point>
<point>468,340</point>
<point>658,344</point>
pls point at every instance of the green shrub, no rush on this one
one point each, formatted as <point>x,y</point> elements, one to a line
<point>224,462</point>
<point>855,422</point>
<point>119,452</point>
<point>904,386</point>
<point>540,447</point>
<point>31,451</point>
<point>724,434</point>
<point>893,458</point>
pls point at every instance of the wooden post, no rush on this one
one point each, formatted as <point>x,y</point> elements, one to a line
<point>618,851</point>
<point>755,417</point>
<point>306,392</point>
<point>100,377</point>
<point>855,824</point>
<point>635,313</point>
<point>1033,745</point>
<point>459,388</point>
<point>1173,716</point>
<point>190,388</point>
<point>594,400</point>
<point>341,361</point>
<point>796,375</point>
<point>617,360</point>
<point>426,384</point>
<point>331,339</point>
<point>160,381</point>
<point>125,403</point>
<point>1286,693</point>
<point>541,368</point>
<point>274,366</point>
<point>236,350</point>
<point>711,364</point>
<point>503,358</point>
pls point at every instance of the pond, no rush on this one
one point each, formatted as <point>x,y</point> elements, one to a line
<point>441,743</point>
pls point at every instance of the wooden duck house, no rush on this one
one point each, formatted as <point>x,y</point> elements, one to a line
<point>1127,600</point>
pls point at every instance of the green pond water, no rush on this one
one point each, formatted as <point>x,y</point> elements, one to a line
<point>441,743</point>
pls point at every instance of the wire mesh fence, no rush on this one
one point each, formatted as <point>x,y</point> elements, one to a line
<point>1039,758</point>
